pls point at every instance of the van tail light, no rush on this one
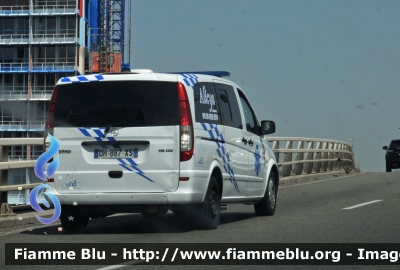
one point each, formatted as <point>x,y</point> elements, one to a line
<point>49,128</point>
<point>186,128</point>
<point>50,115</point>
<point>50,120</point>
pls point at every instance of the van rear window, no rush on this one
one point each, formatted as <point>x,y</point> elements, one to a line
<point>117,103</point>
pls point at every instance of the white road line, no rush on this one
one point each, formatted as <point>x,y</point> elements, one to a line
<point>361,204</point>
<point>112,267</point>
<point>129,263</point>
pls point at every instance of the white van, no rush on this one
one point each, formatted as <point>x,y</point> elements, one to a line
<point>144,142</point>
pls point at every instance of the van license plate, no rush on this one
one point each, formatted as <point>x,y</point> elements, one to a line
<point>116,153</point>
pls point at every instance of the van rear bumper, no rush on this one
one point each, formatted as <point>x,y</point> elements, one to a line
<point>188,192</point>
<point>130,198</point>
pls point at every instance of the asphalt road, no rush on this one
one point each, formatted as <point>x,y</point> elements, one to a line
<point>306,213</point>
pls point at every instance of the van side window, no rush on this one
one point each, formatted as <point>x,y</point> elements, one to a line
<point>206,105</point>
<point>249,116</point>
<point>230,114</point>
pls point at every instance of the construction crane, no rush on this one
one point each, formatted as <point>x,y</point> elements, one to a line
<point>107,36</point>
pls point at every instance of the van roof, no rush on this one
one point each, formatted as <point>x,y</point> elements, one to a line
<point>211,73</point>
<point>218,73</point>
<point>99,76</point>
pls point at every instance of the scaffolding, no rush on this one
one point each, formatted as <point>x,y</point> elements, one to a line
<point>38,46</point>
<point>107,37</point>
<point>42,41</point>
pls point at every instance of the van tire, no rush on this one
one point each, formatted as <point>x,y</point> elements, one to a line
<point>210,209</point>
<point>266,207</point>
<point>79,222</point>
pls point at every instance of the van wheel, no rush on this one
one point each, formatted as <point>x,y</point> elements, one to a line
<point>210,209</point>
<point>73,220</point>
<point>266,207</point>
<point>388,168</point>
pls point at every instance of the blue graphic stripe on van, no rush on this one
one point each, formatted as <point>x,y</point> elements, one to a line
<point>98,135</point>
<point>131,161</point>
<point>257,163</point>
<point>126,167</point>
<point>83,78</point>
<point>84,132</point>
<point>99,132</point>
<point>190,79</point>
<point>221,151</point>
<point>134,166</point>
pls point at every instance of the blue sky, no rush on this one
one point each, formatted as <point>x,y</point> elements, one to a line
<point>320,69</point>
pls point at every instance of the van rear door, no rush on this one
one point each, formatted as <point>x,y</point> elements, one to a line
<point>117,136</point>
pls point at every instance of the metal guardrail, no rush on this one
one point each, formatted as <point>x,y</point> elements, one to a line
<point>55,9</point>
<point>6,165</point>
<point>38,66</point>
<point>9,10</point>
<point>22,125</point>
<point>38,9</point>
<point>312,155</point>
<point>38,38</point>
<point>13,93</point>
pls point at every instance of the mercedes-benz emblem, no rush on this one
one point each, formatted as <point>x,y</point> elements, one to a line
<point>115,132</point>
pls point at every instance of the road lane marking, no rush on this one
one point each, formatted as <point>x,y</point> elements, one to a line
<point>361,204</point>
<point>112,267</point>
<point>124,264</point>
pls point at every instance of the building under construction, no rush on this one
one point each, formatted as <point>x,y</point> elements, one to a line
<point>42,41</point>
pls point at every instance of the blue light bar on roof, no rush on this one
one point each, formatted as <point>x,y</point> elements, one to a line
<point>212,73</point>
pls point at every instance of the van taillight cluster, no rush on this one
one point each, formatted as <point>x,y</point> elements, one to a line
<point>186,128</point>
<point>50,120</point>
<point>50,115</point>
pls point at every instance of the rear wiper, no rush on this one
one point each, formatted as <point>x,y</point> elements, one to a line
<point>121,123</point>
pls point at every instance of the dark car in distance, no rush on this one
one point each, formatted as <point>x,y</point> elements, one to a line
<point>392,156</point>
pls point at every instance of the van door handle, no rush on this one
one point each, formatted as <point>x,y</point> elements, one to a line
<point>251,142</point>
<point>244,140</point>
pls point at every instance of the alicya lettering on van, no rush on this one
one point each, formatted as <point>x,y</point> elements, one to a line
<point>206,98</point>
